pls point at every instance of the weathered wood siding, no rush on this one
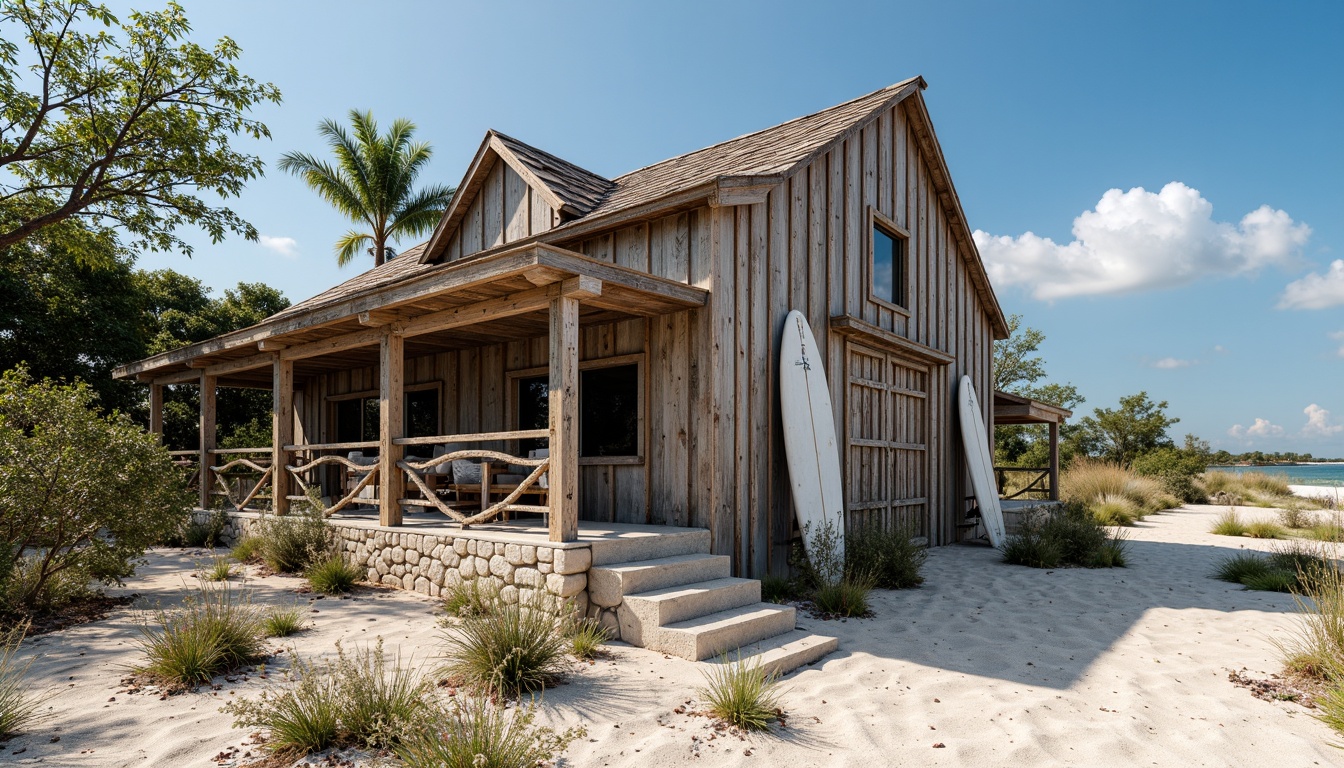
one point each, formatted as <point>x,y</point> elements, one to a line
<point>712,448</point>
<point>505,210</point>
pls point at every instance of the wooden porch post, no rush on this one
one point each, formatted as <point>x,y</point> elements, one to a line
<point>392,424</point>
<point>207,478</point>
<point>564,417</point>
<point>1054,461</point>
<point>282,430</point>
<point>156,410</point>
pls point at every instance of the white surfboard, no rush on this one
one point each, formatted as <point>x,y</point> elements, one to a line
<point>809,435</point>
<point>981,463</point>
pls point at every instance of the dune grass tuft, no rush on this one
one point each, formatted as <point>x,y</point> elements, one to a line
<point>20,707</point>
<point>847,597</point>
<point>1265,529</point>
<point>1295,517</point>
<point>247,550</point>
<point>1070,536</point>
<point>290,543</point>
<point>283,621</point>
<point>778,589</point>
<point>216,629</point>
<point>741,693</point>
<point>471,733</point>
<point>1229,523</point>
<point>1316,649</point>
<point>508,651</point>
<point>220,568</point>
<point>890,556</point>
<point>586,637</point>
<point>332,575</point>
<point>1113,494</point>
<point>1237,567</point>
<point>1329,530</point>
<point>469,598</point>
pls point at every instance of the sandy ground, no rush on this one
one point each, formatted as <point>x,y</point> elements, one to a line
<point>988,664</point>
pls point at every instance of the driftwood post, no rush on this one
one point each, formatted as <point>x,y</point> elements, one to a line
<point>564,406</point>
<point>207,443</point>
<point>392,426</point>
<point>156,410</point>
<point>1054,461</point>
<point>282,431</point>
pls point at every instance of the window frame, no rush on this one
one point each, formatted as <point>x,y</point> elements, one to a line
<point>374,394</point>
<point>641,384</point>
<point>878,220</point>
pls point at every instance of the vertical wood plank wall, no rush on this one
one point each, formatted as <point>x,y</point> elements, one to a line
<point>712,446</point>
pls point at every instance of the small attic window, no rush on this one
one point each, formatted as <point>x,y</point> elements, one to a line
<point>889,261</point>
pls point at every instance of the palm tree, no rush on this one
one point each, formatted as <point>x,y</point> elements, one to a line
<point>373,183</point>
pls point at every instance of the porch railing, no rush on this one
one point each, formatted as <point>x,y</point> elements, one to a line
<point>306,483</point>
<point>1024,482</point>
<point>234,476</point>
<point>416,471</point>
<point>190,464</point>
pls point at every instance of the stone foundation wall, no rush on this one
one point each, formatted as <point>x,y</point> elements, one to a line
<point>434,563</point>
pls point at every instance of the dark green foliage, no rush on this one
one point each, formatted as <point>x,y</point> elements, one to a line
<point>89,492</point>
<point>473,733</point>
<point>1287,568</point>
<point>1271,581</point>
<point>889,556</point>
<point>1067,537</point>
<point>778,589</point>
<point>217,629</point>
<point>20,705</point>
<point>1121,435</point>
<point>1177,469</point>
<point>332,575</point>
<point>290,543</point>
<point>247,550</point>
<point>1238,567</point>
<point>847,597</point>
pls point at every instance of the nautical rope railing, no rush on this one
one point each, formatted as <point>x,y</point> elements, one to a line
<point>251,467</point>
<point>300,471</point>
<point>1039,483</point>
<point>415,471</point>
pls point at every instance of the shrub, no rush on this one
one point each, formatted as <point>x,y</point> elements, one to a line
<point>247,550</point>
<point>1317,648</point>
<point>1069,536</point>
<point>778,589</point>
<point>476,734</point>
<point>1265,529</point>
<point>90,491</point>
<point>1229,524</point>
<point>1115,509</point>
<point>290,543</point>
<point>215,630</point>
<point>585,637</point>
<point>1296,517</point>
<point>1298,557</point>
<point>1092,483</point>
<point>1176,469</point>
<point>847,597</point>
<point>470,598</point>
<point>888,555</point>
<point>360,699</point>
<point>1256,488</point>
<point>823,559</point>
<point>23,591</point>
<point>741,694</point>
<point>207,533</point>
<point>219,569</point>
<point>333,575</point>
<point>19,706</point>
<point>509,650</point>
<point>1327,531</point>
<point>1240,566</point>
<point>283,621</point>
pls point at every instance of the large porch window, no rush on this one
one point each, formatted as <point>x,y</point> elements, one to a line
<point>357,416</point>
<point>609,409</point>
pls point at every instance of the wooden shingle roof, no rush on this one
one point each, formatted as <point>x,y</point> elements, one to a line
<point>578,190</point>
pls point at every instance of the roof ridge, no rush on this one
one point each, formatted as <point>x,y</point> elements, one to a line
<point>777,126</point>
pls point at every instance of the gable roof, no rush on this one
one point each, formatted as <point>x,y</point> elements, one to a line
<point>566,187</point>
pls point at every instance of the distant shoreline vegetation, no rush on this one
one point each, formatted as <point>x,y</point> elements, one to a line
<point>1323,473</point>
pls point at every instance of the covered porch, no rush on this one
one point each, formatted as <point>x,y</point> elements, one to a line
<point>1022,484</point>
<point>532,292</point>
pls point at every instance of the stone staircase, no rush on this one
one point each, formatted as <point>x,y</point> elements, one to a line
<point>665,592</point>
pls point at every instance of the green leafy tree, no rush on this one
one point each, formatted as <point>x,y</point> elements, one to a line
<point>81,494</point>
<point>1019,370</point>
<point>373,184</point>
<point>1123,434</point>
<point>127,124</point>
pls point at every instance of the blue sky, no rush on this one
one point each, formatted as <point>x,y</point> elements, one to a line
<point>1041,110</point>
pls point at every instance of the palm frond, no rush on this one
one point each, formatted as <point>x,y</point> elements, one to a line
<point>352,244</point>
<point>329,183</point>
<point>419,214</point>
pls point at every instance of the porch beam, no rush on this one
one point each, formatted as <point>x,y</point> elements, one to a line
<point>156,410</point>
<point>181,377</point>
<point>391,412</point>
<point>564,418</point>
<point>282,430</point>
<point>334,344</point>
<point>241,364</point>
<point>521,303</point>
<point>207,443</point>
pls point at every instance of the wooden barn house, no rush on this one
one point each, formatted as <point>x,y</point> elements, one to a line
<point>610,346</point>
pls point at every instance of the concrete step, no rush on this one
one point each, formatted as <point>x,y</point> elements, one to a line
<point>781,654</point>
<point>706,636</point>
<point>645,611</point>
<point>632,546</point>
<point>609,584</point>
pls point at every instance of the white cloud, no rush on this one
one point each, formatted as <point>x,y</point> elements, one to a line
<point>1316,291</point>
<point>1261,428</point>
<point>1140,240</point>
<point>1318,422</point>
<point>1172,363</point>
<point>1219,348</point>
<point>287,247</point>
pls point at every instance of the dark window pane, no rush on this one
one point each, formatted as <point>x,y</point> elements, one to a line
<point>349,421</point>
<point>884,262</point>
<point>533,409</point>
<point>371,418</point>
<point>609,411</point>
<point>422,413</point>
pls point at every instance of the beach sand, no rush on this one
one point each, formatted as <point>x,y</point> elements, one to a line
<point>998,664</point>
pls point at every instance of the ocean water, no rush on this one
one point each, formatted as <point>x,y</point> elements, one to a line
<point>1299,474</point>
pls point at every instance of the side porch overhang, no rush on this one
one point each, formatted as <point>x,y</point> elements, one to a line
<point>532,291</point>
<point>1016,409</point>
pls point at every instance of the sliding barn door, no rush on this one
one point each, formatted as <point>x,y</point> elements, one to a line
<point>887,440</point>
